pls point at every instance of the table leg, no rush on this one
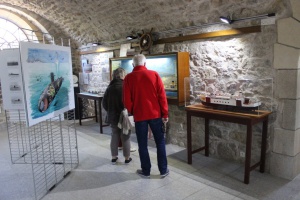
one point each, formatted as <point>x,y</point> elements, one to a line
<point>248,153</point>
<point>189,138</point>
<point>263,146</point>
<point>96,113</point>
<point>79,109</point>
<point>100,116</point>
<point>206,137</point>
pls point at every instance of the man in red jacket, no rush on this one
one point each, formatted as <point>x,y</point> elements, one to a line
<point>144,97</point>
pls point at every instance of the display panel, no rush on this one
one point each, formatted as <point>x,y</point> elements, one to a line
<point>47,80</point>
<point>94,77</point>
<point>11,80</point>
<point>172,68</point>
<point>164,65</point>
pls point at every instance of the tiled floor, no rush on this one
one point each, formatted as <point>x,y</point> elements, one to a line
<point>97,179</point>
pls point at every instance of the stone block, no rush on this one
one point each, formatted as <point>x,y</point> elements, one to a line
<point>284,166</point>
<point>288,32</point>
<point>287,84</point>
<point>296,8</point>
<point>286,57</point>
<point>286,142</point>
<point>289,114</point>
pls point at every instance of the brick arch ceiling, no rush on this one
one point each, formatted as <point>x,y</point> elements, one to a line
<point>17,17</point>
<point>106,20</point>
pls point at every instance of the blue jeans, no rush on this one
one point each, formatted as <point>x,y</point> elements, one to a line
<point>141,129</point>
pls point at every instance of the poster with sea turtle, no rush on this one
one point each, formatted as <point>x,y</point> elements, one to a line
<point>47,80</point>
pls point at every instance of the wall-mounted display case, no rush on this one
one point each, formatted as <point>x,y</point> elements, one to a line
<point>172,68</point>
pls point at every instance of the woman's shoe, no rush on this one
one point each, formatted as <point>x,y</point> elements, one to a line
<point>128,161</point>
<point>114,160</point>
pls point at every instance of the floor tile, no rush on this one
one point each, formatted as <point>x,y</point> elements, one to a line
<point>96,178</point>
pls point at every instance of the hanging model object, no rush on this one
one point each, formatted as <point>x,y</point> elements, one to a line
<point>146,41</point>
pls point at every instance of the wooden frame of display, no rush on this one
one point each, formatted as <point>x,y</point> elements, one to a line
<point>183,70</point>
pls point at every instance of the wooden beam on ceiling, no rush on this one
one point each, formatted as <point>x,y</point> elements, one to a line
<point>223,33</point>
<point>99,50</point>
<point>230,32</point>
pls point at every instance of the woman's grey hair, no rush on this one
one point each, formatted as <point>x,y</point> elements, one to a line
<point>119,73</point>
<point>138,60</point>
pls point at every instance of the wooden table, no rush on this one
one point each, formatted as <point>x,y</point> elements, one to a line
<point>245,118</point>
<point>95,97</point>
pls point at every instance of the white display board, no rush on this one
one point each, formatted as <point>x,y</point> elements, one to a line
<point>124,48</point>
<point>47,80</point>
<point>96,80</point>
<point>11,80</point>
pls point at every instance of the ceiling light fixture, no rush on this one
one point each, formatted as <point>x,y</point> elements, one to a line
<point>228,20</point>
<point>131,37</point>
<point>96,44</point>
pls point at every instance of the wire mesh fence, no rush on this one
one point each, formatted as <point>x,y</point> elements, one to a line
<point>49,146</point>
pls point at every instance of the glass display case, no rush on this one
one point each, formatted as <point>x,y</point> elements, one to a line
<point>172,68</point>
<point>241,94</point>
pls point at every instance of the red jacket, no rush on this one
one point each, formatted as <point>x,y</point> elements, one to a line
<point>144,95</point>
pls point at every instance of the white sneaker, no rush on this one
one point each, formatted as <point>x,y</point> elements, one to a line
<point>120,148</point>
<point>132,149</point>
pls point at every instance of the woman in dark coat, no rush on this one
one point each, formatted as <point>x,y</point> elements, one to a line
<point>112,103</point>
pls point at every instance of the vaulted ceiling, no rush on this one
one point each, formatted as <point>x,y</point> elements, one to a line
<point>87,21</point>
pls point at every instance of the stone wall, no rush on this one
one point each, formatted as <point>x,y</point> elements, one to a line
<point>244,56</point>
